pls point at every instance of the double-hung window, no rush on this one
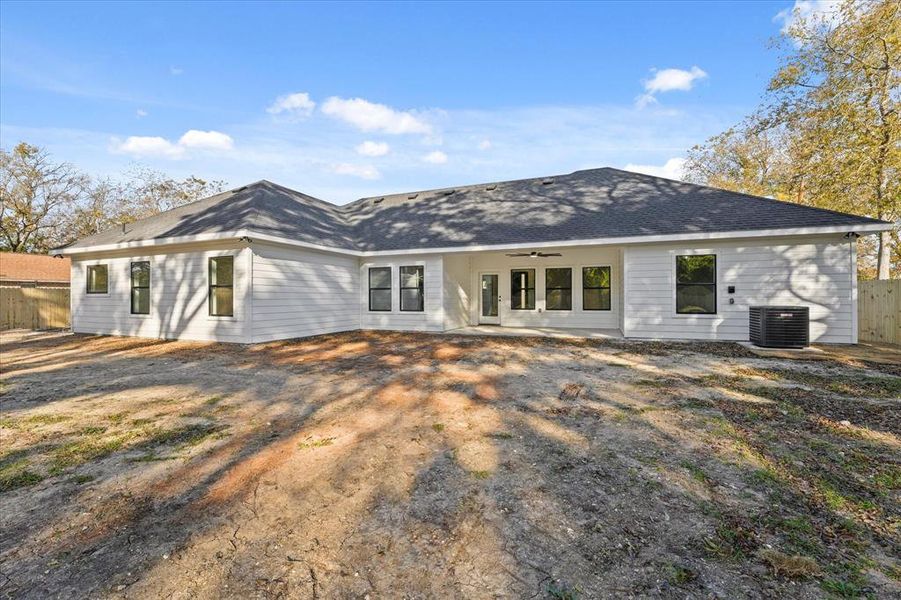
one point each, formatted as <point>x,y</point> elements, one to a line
<point>222,282</point>
<point>380,289</point>
<point>696,284</point>
<point>140,288</point>
<point>522,289</point>
<point>595,288</point>
<point>97,279</point>
<point>412,289</point>
<point>558,288</point>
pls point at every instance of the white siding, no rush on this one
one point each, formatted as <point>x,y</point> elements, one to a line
<point>299,292</point>
<point>456,291</point>
<point>576,258</point>
<point>178,296</point>
<point>431,319</point>
<point>818,274</point>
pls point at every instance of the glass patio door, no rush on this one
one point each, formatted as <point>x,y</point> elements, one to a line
<point>488,311</point>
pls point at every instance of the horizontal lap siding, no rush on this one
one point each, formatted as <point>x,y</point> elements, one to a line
<point>431,319</point>
<point>456,291</point>
<point>298,293</point>
<point>813,274</point>
<point>178,298</point>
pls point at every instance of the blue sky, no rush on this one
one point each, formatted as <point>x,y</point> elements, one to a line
<point>348,100</point>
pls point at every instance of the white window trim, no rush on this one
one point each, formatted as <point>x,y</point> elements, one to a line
<point>395,277</point>
<point>538,272</point>
<point>695,252</point>
<point>391,268</point>
<point>400,289</point>
<point>235,311</point>
<point>133,259</point>
<point>109,279</point>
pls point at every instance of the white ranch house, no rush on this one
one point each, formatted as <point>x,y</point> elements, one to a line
<point>604,250</point>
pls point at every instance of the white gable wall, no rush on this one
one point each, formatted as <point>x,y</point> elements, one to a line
<point>819,274</point>
<point>299,292</point>
<point>178,295</point>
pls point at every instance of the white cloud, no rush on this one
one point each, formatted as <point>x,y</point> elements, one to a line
<point>361,171</point>
<point>148,146</point>
<point>206,140</point>
<point>176,71</point>
<point>436,158</point>
<point>671,169</point>
<point>141,113</point>
<point>825,10</point>
<point>297,104</point>
<point>370,116</point>
<point>159,147</point>
<point>368,148</point>
<point>668,80</point>
<point>485,144</point>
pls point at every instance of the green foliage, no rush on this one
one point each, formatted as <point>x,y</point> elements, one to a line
<point>829,132</point>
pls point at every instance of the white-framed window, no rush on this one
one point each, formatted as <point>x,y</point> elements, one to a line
<point>412,289</point>
<point>596,288</point>
<point>222,286</point>
<point>522,289</point>
<point>140,287</point>
<point>97,277</point>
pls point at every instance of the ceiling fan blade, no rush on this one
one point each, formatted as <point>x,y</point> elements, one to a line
<point>549,254</point>
<point>518,254</point>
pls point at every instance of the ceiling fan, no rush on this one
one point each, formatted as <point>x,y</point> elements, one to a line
<point>534,254</point>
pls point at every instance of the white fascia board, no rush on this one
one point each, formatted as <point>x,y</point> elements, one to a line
<point>643,239</point>
<point>635,239</point>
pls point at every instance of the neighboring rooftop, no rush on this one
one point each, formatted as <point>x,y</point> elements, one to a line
<point>19,267</point>
<point>591,204</point>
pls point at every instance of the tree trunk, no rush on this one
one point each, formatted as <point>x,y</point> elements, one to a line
<point>884,255</point>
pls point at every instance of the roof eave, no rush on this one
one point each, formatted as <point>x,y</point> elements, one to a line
<point>247,235</point>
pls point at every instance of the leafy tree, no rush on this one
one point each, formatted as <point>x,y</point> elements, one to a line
<point>47,204</point>
<point>832,111</point>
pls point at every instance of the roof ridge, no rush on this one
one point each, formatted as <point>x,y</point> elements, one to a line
<point>359,201</point>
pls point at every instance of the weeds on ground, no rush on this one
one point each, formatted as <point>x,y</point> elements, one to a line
<point>318,443</point>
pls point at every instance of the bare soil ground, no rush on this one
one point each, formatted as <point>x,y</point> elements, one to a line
<point>402,465</point>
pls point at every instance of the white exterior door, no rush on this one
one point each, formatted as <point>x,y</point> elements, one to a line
<point>489,299</point>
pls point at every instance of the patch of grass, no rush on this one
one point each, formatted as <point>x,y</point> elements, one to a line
<point>185,436</point>
<point>80,451</point>
<point>321,442</point>
<point>844,589</point>
<point>82,479</point>
<point>559,591</point>
<point>47,419</point>
<point>858,387</point>
<point>764,477</point>
<point>116,418</point>
<point>657,383</point>
<point>500,435</point>
<point>696,472</point>
<point>680,574</point>
<point>92,430</point>
<point>141,422</point>
<point>887,481</point>
<point>151,457</point>
<point>17,474</point>
<point>213,400</point>
<point>439,427</point>
<point>481,474</point>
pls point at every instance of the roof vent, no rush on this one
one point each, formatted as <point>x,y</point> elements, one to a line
<point>491,187</point>
<point>378,200</point>
<point>547,181</point>
<point>448,192</point>
<point>240,189</point>
<point>412,196</point>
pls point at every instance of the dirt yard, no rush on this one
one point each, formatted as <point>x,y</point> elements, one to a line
<point>385,465</point>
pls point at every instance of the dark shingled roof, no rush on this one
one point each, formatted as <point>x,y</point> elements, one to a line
<point>590,204</point>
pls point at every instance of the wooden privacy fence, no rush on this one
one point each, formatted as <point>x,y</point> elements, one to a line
<point>34,308</point>
<point>879,311</point>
